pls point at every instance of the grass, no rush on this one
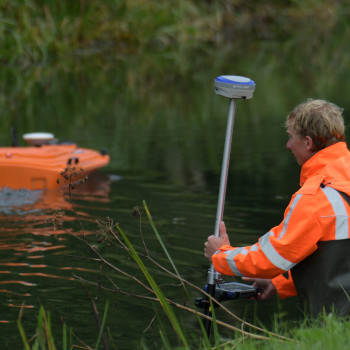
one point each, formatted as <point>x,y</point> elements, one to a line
<point>326,332</point>
<point>44,339</point>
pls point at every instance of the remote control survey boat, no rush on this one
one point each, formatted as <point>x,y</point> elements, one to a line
<point>38,166</point>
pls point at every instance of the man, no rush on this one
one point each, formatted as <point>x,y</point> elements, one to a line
<point>308,253</point>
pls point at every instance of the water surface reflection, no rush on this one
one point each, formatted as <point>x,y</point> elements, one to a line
<point>38,263</point>
<point>32,251</point>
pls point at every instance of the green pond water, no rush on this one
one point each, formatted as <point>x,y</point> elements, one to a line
<point>164,131</point>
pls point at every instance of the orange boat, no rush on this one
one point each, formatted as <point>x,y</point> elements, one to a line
<point>39,165</point>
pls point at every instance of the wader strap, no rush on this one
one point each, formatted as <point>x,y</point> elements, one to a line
<point>345,196</point>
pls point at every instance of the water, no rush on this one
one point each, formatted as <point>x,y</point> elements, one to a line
<point>40,265</point>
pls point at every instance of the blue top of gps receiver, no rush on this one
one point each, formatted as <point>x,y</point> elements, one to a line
<point>234,79</point>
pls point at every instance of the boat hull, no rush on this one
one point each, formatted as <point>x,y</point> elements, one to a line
<point>38,168</point>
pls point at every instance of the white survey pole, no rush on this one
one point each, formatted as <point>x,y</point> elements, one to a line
<point>223,179</point>
<point>234,87</point>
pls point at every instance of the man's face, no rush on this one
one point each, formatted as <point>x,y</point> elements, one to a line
<point>299,145</point>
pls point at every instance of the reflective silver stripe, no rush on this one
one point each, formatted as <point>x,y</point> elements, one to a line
<point>271,253</point>
<point>254,248</point>
<point>286,220</point>
<point>232,253</point>
<point>341,215</point>
<point>229,258</point>
<point>266,248</point>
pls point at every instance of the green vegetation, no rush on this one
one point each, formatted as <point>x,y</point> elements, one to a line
<point>327,332</point>
<point>136,70</point>
<point>37,31</point>
<point>43,338</point>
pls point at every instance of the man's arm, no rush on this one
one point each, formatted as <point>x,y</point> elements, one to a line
<point>277,251</point>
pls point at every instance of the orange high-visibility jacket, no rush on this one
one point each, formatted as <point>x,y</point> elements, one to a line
<point>316,212</point>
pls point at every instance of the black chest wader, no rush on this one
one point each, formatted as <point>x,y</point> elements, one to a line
<point>322,280</point>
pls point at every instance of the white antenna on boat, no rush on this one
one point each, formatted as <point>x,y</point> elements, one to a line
<point>38,138</point>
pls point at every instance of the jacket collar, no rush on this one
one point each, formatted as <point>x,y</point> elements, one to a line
<point>318,163</point>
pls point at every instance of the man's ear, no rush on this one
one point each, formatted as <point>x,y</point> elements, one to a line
<point>309,143</point>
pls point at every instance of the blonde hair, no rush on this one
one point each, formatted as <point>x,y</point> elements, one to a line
<point>320,120</point>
